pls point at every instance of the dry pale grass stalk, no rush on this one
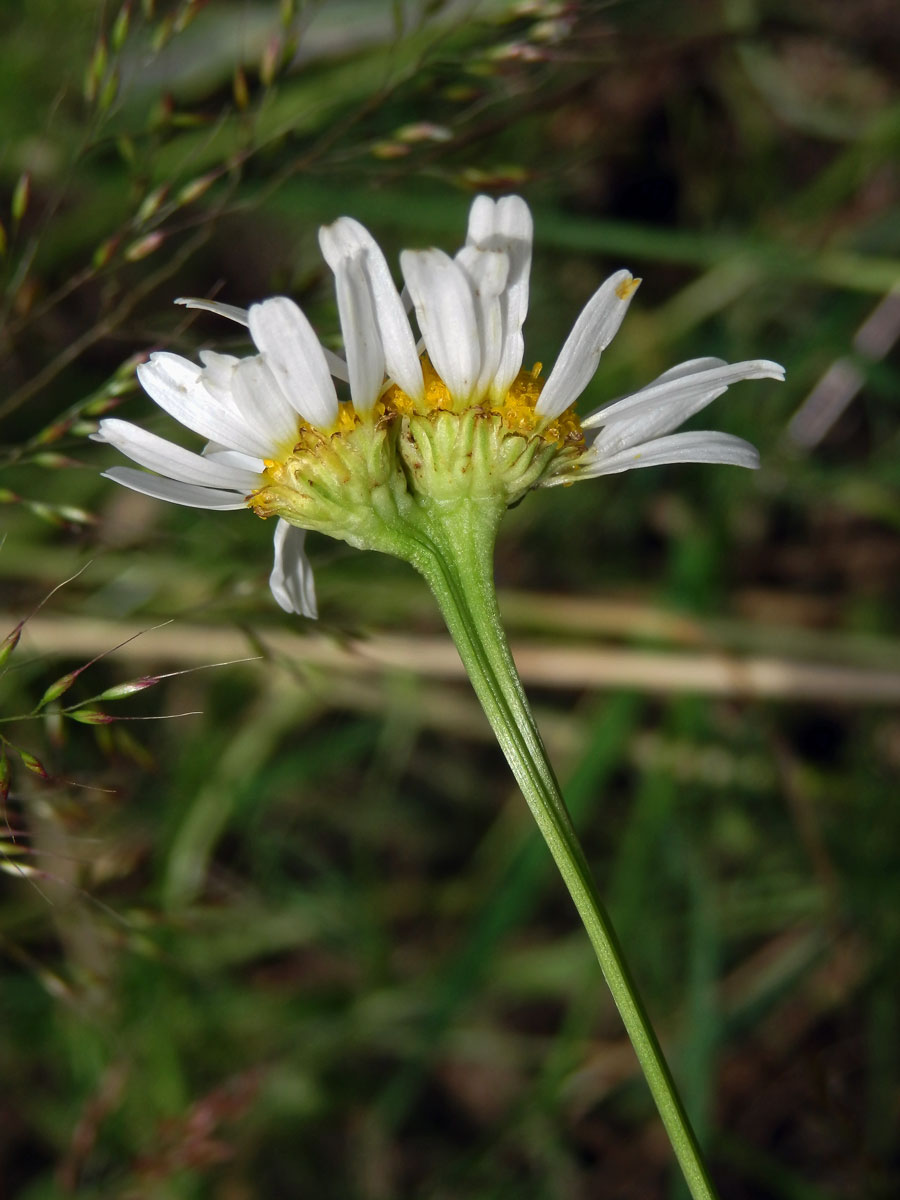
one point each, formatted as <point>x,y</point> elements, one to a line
<point>580,665</point>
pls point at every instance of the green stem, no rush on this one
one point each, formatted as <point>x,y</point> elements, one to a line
<point>456,558</point>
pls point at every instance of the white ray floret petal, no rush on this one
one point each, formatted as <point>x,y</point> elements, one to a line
<point>188,494</point>
<point>287,340</point>
<point>166,458</point>
<point>487,272</point>
<point>445,311</point>
<point>362,343</point>
<point>506,225</point>
<point>230,312</point>
<point>233,458</point>
<point>255,391</point>
<point>177,387</point>
<point>668,402</point>
<point>700,446</point>
<point>677,390</point>
<point>592,332</point>
<point>346,237</point>
<point>336,364</point>
<point>291,580</point>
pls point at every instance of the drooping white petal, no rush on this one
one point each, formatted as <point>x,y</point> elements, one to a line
<point>291,580</point>
<point>347,236</point>
<point>676,391</point>
<point>297,360</point>
<point>261,402</point>
<point>166,458</point>
<point>230,311</point>
<point>188,494</point>
<point>445,310</point>
<point>506,225</point>
<point>362,342</point>
<point>487,272</point>
<point>591,334</point>
<point>701,446</point>
<point>176,386</point>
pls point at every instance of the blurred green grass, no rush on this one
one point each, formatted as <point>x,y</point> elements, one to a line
<point>305,942</point>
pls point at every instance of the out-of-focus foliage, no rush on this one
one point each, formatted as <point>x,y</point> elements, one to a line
<point>304,942</point>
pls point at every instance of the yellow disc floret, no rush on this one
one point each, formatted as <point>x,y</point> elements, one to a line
<point>516,407</point>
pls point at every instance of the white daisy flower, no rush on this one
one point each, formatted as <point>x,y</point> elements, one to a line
<point>451,416</point>
<point>249,409</point>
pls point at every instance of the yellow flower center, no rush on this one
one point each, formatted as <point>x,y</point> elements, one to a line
<point>516,410</point>
<point>517,407</point>
<point>367,474</point>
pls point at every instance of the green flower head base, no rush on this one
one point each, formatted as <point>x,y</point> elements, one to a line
<point>423,426</point>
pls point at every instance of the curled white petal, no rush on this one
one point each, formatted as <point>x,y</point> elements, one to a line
<point>291,580</point>
<point>166,458</point>
<point>595,328</point>
<point>230,311</point>
<point>297,360</point>
<point>445,310</point>
<point>344,238</point>
<point>173,490</point>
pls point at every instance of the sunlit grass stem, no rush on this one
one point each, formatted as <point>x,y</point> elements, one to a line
<point>455,555</point>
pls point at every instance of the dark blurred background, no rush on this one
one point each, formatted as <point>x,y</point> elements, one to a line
<point>304,941</point>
